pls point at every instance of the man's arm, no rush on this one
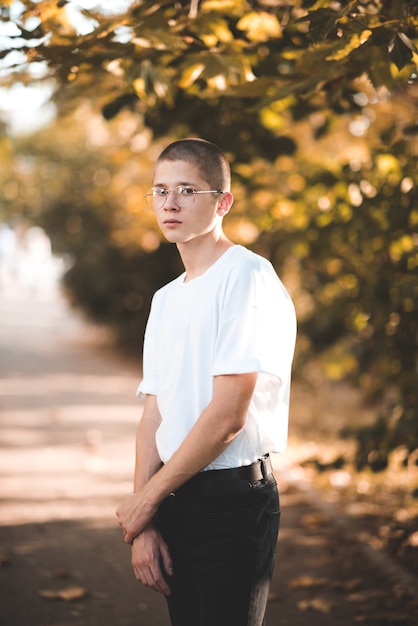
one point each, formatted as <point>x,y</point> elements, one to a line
<point>147,460</point>
<point>150,555</point>
<point>218,425</point>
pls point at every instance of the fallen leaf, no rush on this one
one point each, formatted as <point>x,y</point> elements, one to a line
<point>316,604</point>
<point>73,593</point>
<point>308,582</point>
<point>66,593</point>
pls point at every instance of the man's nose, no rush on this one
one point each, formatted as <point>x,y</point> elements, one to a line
<point>171,204</point>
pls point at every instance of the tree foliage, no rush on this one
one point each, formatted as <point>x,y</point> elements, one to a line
<point>314,102</point>
<point>265,52</point>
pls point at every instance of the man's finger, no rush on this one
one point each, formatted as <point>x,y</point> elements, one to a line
<point>166,559</point>
<point>129,537</point>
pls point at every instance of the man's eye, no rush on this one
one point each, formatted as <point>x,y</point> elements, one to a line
<point>186,191</point>
<point>159,191</point>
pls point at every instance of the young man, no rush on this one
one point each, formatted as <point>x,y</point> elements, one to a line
<point>204,516</point>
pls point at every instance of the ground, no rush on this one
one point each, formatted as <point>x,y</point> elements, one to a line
<point>347,550</point>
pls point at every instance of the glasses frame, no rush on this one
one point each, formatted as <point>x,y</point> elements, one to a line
<point>150,197</point>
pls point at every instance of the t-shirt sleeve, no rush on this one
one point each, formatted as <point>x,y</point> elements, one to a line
<point>257,325</point>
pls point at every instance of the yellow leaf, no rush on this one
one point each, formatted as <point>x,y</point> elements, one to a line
<point>230,7</point>
<point>190,75</point>
<point>355,42</point>
<point>213,30</point>
<point>260,26</point>
<point>139,86</point>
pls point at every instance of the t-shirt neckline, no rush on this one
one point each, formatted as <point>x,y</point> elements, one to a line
<point>212,267</point>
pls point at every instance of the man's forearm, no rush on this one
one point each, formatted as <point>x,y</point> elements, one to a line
<point>217,426</point>
<point>147,460</point>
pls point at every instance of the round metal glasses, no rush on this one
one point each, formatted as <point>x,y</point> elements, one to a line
<point>183,195</point>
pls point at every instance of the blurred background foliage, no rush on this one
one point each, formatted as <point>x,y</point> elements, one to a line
<point>315,104</point>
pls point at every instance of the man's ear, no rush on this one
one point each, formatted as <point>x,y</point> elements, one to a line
<point>225,203</point>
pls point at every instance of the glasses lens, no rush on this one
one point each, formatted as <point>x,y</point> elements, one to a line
<point>184,196</point>
<point>155,198</point>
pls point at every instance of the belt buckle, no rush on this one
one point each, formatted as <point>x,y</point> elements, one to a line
<point>264,470</point>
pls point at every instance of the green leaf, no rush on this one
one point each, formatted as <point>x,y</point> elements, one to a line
<point>400,53</point>
<point>321,23</point>
<point>377,67</point>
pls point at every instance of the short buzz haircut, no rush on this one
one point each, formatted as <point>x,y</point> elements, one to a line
<point>211,161</point>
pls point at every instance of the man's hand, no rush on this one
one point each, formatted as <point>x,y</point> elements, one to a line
<point>134,514</point>
<point>151,560</point>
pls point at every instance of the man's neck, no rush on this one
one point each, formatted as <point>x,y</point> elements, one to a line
<point>198,255</point>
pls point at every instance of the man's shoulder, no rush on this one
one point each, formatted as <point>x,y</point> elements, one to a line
<point>253,272</point>
<point>246,261</point>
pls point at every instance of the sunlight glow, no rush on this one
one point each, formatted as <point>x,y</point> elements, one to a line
<point>26,108</point>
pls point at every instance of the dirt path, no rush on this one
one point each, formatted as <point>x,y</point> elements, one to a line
<point>67,426</point>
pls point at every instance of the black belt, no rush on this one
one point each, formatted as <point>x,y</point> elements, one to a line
<point>259,470</point>
<point>213,480</point>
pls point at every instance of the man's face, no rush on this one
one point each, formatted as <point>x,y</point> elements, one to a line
<point>178,224</point>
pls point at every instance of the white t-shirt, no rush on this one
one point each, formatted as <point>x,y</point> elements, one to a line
<point>235,318</point>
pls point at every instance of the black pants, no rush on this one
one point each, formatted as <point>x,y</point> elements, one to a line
<point>222,537</point>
